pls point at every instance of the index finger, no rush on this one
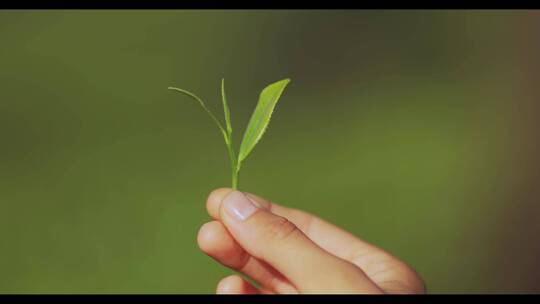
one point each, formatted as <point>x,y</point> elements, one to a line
<point>333,239</point>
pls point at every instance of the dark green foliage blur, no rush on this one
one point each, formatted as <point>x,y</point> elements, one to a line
<point>415,130</point>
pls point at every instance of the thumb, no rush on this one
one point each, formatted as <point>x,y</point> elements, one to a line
<point>281,244</point>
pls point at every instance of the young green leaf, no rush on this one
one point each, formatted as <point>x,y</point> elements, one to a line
<point>226,110</point>
<point>188,93</point>
<point>256,126</point>
<point>230,148</point>
<point>260,118</point>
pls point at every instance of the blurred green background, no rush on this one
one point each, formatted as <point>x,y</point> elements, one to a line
<point>415,130</point>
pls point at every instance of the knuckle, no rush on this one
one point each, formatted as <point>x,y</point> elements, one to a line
<point>279,229</point>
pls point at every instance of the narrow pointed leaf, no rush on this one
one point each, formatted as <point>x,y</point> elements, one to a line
<point>261,117</point>
<point>196,98</point>
<point>226,110</point>
<point>228,125</point>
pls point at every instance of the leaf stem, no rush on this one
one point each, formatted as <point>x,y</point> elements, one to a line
<point>226,132</point>
<point>234,169</point>
<point>188,93</point>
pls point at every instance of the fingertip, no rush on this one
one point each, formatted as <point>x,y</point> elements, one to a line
<point>234,284</point>
<point>214,200</point>
<point>214,240</point>
<point>229,285</point>
<point>207,236</point>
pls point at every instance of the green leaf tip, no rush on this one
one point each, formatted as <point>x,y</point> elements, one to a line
<point>226,110</point>
<point>260,118</point>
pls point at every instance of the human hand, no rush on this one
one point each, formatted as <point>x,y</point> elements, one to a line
<point>290,251</point>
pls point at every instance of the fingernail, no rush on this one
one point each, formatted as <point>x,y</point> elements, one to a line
<point>238,205</point>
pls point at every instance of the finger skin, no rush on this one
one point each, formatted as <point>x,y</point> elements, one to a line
<point>280,243</point>
<point>214,240</point>
<point>331,238</point>
<point>328,236</point>
<point>389,272</point>
<point>235,284</point>
<point>378,264</point>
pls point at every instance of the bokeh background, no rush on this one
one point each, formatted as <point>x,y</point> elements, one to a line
<point>415,130</point>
